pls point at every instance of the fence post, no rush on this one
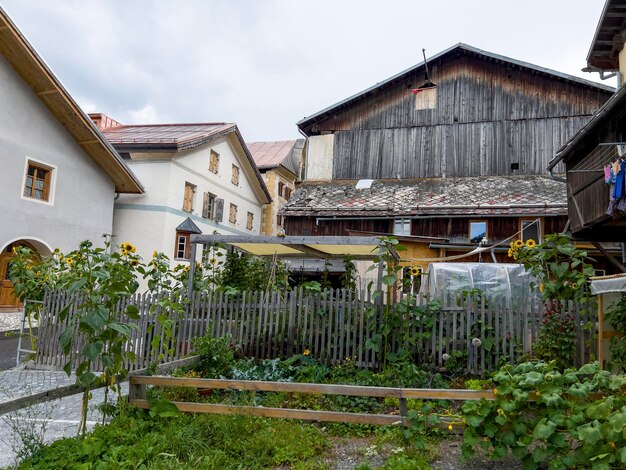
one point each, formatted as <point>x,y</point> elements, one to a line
<point>136,391</point>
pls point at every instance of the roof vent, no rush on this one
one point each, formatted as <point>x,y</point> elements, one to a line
<point>364,184</point>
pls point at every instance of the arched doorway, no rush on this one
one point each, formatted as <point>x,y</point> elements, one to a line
<point>7,294</point>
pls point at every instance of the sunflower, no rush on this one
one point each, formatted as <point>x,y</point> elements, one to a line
<point>154,254</point>
<point>69,260</point>
<point>530,243</point>
<point>213,261</point>
<point>415,271</point>
<point>519,243</point>
<point>186,268</point>
<point>124,252</point>
<point>307,352</point>
<point>510,253</point>
<point>135,262</point>
<point>541,287</point>
<point>127,246</point>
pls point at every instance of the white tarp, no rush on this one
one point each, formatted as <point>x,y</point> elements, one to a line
<point>604,284</point>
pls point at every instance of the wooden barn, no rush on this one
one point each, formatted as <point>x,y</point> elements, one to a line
<point>452,153</point>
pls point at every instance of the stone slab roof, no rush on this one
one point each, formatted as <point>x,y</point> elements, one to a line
<point>488,195</point>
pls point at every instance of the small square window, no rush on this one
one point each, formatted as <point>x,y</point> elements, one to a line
<point>250,221</point>
<point>38,182</point>
<point>531,230</point>
<point>235,177</point>
<point>477,230</point>
<point>402,227</point>
<point>214,162</point>
<point>232,217</point>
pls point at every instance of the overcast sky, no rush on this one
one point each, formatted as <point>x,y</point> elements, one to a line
<point>265,64</point>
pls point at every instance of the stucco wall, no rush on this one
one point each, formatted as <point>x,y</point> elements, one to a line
<point>81,205</point>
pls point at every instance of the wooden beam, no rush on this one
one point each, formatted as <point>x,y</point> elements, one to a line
<point>610,257</point>
<point>310,415</point>
<point>88,142</point>
<point>47,92</point>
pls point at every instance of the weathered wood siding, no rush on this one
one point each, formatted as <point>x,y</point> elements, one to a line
<point>498,228</point>
<point>488,115</point>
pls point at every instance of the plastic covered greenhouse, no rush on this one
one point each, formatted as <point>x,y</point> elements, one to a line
<point>503,283</point>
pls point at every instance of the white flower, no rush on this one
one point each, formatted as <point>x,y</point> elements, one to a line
<point>445,357</point>
<point>397,450</point>
<point>477,342</point>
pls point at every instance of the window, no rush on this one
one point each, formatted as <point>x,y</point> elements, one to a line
<point>280,220</point>
<point>281,188</point>
<point>477,230</point>
<point>232,217</point>
<point>402,227</point>
<point>287,193</point>
<point>235,177</point>
<point>190,191</point>
<point>208,206</point>
<point>214,162</point>
<point>425,98</point>
<point>531,229</point>
<point>250,221</point>
<point>38,181</point>
<point>182,249</point>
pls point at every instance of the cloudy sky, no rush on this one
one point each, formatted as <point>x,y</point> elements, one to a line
<point>265,64</point>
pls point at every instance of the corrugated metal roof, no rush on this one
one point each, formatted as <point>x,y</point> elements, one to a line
<point>485,195</point>
<point>285,153</point>
<point>457,47</point>
<point>270,154</point>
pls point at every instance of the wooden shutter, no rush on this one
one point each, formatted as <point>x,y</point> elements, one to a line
<point>219,210</point>
<point>205,206</point>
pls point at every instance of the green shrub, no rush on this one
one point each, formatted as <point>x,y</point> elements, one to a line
<point>573,419</point>
<point>217,356</point>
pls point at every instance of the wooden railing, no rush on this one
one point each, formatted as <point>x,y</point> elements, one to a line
<point>137,397</point>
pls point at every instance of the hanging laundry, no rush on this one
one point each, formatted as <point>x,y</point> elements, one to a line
<point>607,174</point>
<point>619,190</point>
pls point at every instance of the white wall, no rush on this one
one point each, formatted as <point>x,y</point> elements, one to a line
<point>149,221</point>
<point>319,159</point>
<point>82,200</point>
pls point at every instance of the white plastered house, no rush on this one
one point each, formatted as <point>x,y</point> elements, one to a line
<point>58,174</point>
<point>199,178</point>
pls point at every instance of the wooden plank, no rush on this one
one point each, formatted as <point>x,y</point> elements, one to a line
<point>482,334</point>
<point>309,415</point>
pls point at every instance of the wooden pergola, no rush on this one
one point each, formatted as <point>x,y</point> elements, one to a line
<point>307,247</point>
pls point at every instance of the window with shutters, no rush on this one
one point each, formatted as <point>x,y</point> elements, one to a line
<point>190,191</point>
<point>183,246</point>
<point>280,220</point>
<point>250,221</point>
<point>287,193</point>
<point>235,176</point>
<point>214,162</point>
<point>38,181</point>
<point>208,206</point>
<point>232,216</point>
<point>281,188</point>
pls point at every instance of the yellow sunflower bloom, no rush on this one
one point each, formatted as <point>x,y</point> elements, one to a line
<point>135,262</point>
<point>415,271</point>
<point>213,261</point>
<point>129,247</point>
<point>530,243</point>
<point>541,287</point>
<point>154,254</point>
<point>307,352</point>
<point>519,243</point>
<point>69,260</point>
<point>510,253</point>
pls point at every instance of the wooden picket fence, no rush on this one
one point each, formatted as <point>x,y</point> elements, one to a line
<point>476,334</point>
